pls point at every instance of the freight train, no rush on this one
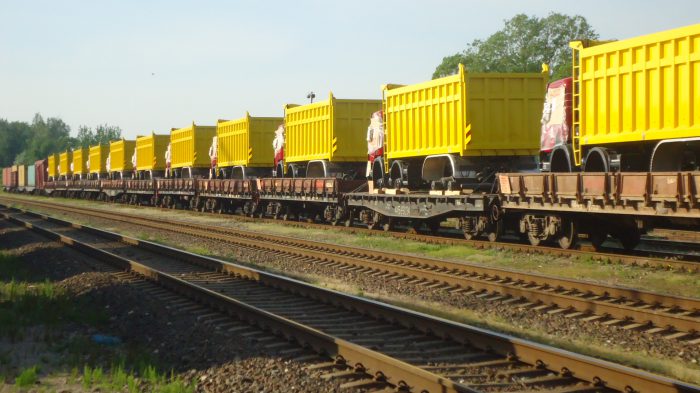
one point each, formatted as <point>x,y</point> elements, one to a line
<point>614,153</point>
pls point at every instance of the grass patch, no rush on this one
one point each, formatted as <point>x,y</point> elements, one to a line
<point>27,378</point>
<point>145,378</point>
<point>23,304</point>
<point>199,250</point>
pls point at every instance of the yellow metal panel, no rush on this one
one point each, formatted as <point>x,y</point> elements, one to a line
<point>190,146</point>
<point>246,141</point>
<point>150,152</point>
<point>643,88</point>
<point>466,114</point>
<point>64,163</point>
<point>53,165</point>
<point>98,158</point>
<point>80,155</point>
<point>332,130</point>
<point>120,153</point>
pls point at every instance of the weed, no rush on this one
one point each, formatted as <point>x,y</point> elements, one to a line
<point>87,377</point>
<point>132,384</point>
<point>28,377</point>
<point>73,377</point>
<point>119,377</point>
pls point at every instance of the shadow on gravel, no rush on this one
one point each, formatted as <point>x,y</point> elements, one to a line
<point>55,313</point>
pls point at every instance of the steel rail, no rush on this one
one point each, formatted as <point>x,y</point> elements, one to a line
<point>641,309</point>
<point>600,374</point>
<point>661,262</point>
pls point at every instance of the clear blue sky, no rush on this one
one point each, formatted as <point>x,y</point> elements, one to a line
<point>154,65</point>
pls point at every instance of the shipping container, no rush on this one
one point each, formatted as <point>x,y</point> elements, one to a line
<point>469,114</point>
<point>246,141</point>
<point>22,176</point>
<point>41,173</point>
<point>150,152</point>
<point>120,153</point>
<point>98,159</point>
<point>64,167</point>
<point>190,146</point>
<point>80,158</point>
<point>14,176</point>
<point>6,176</point>
<point>53,166</point>
<point>332,130</point>
<point>31,176</point>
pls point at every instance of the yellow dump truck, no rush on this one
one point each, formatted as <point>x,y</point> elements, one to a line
<point>633,106</point>
<point>80,156</point>
<point>244,146</point>
<point>190,149</point>
<point>120,153</point>
<point>461,128</point>
<point>53,161</point>
<point>64,164</point>
<point>150,154</point>
<point>327,138</point>
<point>98,159</point>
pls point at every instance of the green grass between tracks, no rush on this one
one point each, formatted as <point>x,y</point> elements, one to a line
<point>27,304</point>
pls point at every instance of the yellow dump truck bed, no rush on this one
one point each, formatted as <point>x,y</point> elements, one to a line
<point>120,153</point>
<point>79,157</point>
<point>246,141</point>
<point>53,165</point>
<point>333,130</point>
<point>638,89</point>
<point>150,152</point>
<point>190,146</point>
<point>98,158</point>
<point>64,162</point>
<point>470,114</point>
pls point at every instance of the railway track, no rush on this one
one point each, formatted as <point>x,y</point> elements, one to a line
<point>658,259</point>
<point>670,317</point>
<point>375,346</point>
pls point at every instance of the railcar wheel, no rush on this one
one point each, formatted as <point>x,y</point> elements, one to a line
<point>348,220</point>
<point>568,237</point>
<point>495,231</point>
<point>534,240</point>
<point>388,225</point>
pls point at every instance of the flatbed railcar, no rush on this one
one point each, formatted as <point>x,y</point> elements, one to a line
<point>621,205</point>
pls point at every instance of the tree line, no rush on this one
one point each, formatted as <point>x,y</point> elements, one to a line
<point>25,143</point>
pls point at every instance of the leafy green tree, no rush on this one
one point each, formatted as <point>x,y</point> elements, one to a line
<point>102,134</point>
<point>13,139</point>
<point>524,43</point>
<point>46,136</point>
